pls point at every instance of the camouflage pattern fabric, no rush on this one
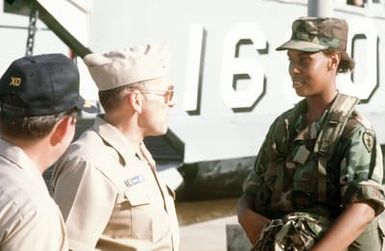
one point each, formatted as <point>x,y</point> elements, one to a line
<point>314,34</point>
<point>296,231</point>
<point>355,170</point>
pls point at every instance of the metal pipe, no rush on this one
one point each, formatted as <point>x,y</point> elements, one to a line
<point>320,8</point>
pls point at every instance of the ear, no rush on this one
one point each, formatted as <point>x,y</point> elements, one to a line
<point>135,99</point>
<point>334,61</point>
<point>61,129</point>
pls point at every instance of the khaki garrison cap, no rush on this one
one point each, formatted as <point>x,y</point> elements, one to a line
<point>127,66</point>
<point>312,34</point>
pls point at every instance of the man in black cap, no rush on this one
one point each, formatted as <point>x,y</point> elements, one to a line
<point>39,100</point>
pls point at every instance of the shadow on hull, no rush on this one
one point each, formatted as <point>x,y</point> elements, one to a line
<point>214,179</point>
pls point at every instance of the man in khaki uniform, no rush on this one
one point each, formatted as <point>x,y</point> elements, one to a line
<point>107,185</point>
<point>39,100</point>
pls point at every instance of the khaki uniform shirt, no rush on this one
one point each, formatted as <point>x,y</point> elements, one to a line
<point>29,218</point>
<point>111,197</point>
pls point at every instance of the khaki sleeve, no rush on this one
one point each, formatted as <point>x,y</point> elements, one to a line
<point>28,229</point>
<point>86,198</point>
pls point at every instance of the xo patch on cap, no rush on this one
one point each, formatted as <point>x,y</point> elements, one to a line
<point>40,85</point>
<point>15,81</point>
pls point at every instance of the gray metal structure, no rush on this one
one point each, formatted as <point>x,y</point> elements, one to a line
<point>30,7</point>
<point>320,8</point>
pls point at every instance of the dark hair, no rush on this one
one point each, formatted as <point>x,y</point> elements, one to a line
<point>110,99</point>
<point>32,127</point>
<point>346,63</point>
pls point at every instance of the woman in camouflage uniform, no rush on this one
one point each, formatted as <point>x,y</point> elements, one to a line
<point>319,158</point>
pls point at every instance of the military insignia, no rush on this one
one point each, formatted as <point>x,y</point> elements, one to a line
<point>15,81</point>
<point>368,140</point>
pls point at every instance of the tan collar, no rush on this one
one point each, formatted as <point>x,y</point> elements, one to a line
<point>114,138</point>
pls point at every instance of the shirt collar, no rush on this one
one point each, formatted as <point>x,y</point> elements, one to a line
<point>114,137</point>
<point>299,124</point>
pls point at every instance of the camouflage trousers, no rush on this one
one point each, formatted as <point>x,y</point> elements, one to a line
<point>295,232</point>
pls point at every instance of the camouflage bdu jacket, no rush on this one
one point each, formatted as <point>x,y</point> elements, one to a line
<point>286,175</point>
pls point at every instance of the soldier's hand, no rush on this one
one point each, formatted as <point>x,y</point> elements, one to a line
<point>252,223</point>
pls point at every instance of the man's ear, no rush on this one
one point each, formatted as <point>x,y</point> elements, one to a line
<point>61,128</point>
<point>135,99</point>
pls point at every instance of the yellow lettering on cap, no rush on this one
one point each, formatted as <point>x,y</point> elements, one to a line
<point>15,81</point>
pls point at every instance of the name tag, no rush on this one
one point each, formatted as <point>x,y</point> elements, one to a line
<point>134,180</point>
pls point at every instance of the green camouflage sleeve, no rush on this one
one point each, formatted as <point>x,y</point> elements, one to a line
<point>255,185</point>
<point>260,182</point>
<point>361,173</point>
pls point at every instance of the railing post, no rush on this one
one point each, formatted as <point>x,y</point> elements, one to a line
<point>320,8</point>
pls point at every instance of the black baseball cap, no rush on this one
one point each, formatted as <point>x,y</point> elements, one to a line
<point>44,85</point>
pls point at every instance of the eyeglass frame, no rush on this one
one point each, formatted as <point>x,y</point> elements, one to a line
<point>167,94</point>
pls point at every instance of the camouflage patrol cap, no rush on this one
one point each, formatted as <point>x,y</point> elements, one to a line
<point>312,34</point>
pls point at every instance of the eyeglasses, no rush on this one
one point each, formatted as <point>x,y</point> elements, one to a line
<point>167,94</point>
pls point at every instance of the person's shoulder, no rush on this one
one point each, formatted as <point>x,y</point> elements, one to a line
<point>291,115</point>
<point>16,203</point>
<point>294,112</point>
<point>90,136</point>
<point>79,154</point>
<point>25,212</point>
<point>357,122</point>
<point>360,120</point>
<point>88,151</point>
<point>88,144</point>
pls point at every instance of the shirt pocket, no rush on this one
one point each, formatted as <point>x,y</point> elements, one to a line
<point>131,217</point>
<point>140,212</point>
<point>136,198</point>
<point>305,177</point>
